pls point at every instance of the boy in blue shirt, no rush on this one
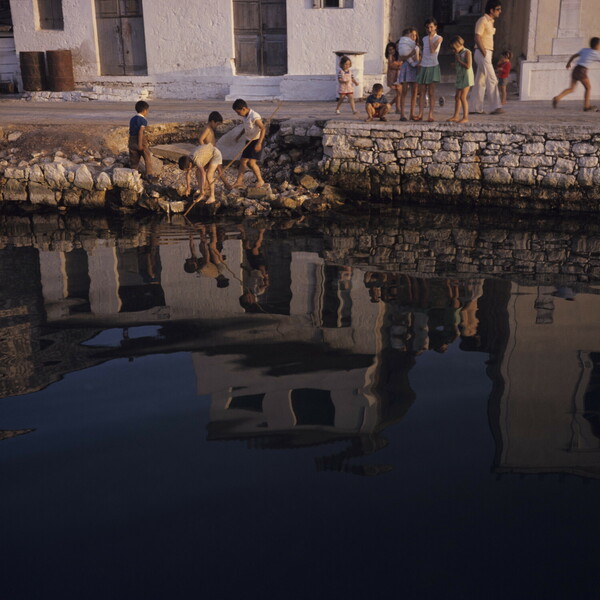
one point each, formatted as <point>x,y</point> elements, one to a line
<point>138,142</point>
<point>377,104</point>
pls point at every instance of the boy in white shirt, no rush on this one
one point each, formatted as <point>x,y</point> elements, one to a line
<point>255,131</point>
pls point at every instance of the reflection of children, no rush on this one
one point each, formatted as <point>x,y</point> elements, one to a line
<point>377,105</point>
<point>464,78</point>
<point>407,76</point>
<point>503,67</point>
<point>210,263</point>
<point>345,82</point>
<point>258,277</point>
<point>429,75</point>
<point>580,73</point>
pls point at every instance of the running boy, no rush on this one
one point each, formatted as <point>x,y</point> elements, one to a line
<point>206,156</point>
<point>377,104</point>
<point>585,56</point>
<point>255,131</point>
<point>138,142</point>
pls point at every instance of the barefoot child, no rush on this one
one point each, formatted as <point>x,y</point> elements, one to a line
<point>580,73</point>
<point>207,159</point>
<point>393,66</point>
<point>408,49</point>
<point>345,81</point>
<point>503,67</point>
<point>138,142</point>
<point>429,75</point>
<point>255,131</point>
<point>464,79</point>
<point>377,104</point>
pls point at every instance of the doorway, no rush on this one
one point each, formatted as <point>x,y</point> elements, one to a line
<point>121,38</point>
<point>260,28</point>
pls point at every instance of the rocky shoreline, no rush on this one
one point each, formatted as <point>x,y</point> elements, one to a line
<point>317,166</point>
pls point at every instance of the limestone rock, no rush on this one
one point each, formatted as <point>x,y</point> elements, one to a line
<point>103,181</point>
<point>524,176</point>
<point>36,174</point>
<point>128,179</point>
<point>109,161</point>
<point>93,200</point>
<point>14,173</point>
<point>15,191</point>
<point>55,175</point>
<point>309,183</point>
<point>41,194</point>
<point>256,193</point>
<point>497,175</point>
<point>84,179</point>
<point>441,171</point>
<point>71,197</point>
<point>470,171</point>
<point>14,136</point>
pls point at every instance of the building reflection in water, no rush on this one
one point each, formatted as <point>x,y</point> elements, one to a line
<point>295,351</point>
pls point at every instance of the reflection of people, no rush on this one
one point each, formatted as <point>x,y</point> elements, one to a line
<point>258,277</point>
<point>210,262</point>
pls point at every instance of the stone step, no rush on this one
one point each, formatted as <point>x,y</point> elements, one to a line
<point>173,151</point>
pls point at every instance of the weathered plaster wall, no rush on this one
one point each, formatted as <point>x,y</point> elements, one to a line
<point>189,35</point>
<point>408,14</point>
<point>78,35</point>
<point>590,21</point>
<point>512,28</point>
<point>315,34</point>
<point>546,26</point>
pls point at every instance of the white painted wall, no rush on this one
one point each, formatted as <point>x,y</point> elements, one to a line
<point>79,34</point>
<point>189,35</point>
<point>315,34</point>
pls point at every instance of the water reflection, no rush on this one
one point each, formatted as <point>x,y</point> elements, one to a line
<point>307,334</point>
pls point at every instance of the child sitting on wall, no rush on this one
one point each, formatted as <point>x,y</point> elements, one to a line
<point>377,105</point>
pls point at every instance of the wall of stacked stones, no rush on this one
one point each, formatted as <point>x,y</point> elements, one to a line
<point>516,166</point>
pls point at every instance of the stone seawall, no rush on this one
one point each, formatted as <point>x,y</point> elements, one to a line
<point>497,165</point>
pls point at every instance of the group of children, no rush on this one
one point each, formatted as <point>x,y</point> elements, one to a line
<point>414,67</point>
<point>206,160</point>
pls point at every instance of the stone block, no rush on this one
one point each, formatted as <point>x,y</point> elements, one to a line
<point>408,143</point>
<point>174,152</point>
<point>432,135</point>
<point>386,158</point>
<point>497,175</point>
<point>93,200</point>
<point>36,174</point>
<point>470,148</point>
<point>54,173</point>
<point>364,143</point>
<point>451,145</point>
<point>365,156</point>
<point>384,145</point>
<point>440,170</point>
<point>103,181</point>
<point>534,148</point>
<point>584,161</point>
<point>71,197</point>
<point>583,148</point>
<point>564,165</point>
<point>308,182</point>
<point>559,181</point>
<point>15,191</point>
<point>523,176</point>
<point>412,166</point>
<point>509,160</point>
<point>474,137</point>
<point>433,146</point>
<point>128,179</point>
<point>470,171</point>
<point>14,173</point>
<point>83,178</point>
<point>558,148</point>
<point>42,194</point>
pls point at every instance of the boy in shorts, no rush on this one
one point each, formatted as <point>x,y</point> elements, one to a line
<point>255,131</point>
<point>206,156</point>
<point>580,73</point>
<point>377,104</point>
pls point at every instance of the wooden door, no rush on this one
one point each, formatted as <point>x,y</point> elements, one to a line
<point>260,37</point>
<point>121,38</point>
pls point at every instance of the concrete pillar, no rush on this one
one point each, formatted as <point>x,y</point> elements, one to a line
<point>568,39</point>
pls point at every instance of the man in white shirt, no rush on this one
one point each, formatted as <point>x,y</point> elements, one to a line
<point>485,78</point>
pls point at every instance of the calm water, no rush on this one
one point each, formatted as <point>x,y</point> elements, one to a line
<point>405,405</point>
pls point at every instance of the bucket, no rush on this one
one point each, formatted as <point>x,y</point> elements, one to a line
<point>60,71</point>
<point>33,71</point>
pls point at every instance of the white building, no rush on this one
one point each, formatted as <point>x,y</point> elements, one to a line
<point>215,49</point>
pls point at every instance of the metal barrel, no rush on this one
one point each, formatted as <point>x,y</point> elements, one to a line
<point>60,70</point>
<point>33,71</point>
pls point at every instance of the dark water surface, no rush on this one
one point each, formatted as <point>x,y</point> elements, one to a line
<point>403,405</point>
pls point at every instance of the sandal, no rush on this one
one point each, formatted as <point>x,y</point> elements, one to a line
<point>590,108</point>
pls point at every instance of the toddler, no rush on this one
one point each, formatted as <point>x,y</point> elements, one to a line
<point>345,81</point>
<point>503,67</point>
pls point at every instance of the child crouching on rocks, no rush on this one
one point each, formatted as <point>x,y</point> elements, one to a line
<point>206,156</point>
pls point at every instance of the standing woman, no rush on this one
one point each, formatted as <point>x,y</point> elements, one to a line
<point>429,75</point>
<point>393,66</point>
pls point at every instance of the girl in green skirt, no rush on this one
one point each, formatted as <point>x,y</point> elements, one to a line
<point>429,75</point>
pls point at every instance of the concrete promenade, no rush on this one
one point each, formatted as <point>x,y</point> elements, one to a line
<point>19,112</point>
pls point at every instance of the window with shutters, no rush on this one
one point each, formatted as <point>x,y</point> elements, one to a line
<point>50,14</point>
